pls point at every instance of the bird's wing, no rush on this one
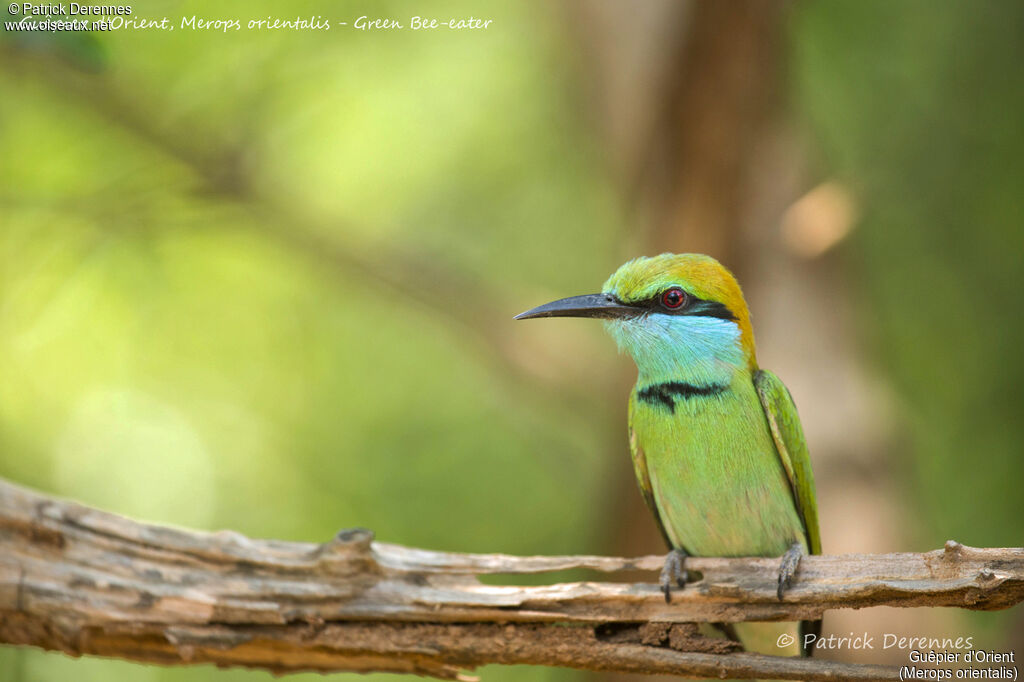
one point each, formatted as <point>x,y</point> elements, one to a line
<point>789,441</point>
<point>643,478</point>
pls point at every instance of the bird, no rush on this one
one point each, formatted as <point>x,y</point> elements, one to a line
<point>717,446</point>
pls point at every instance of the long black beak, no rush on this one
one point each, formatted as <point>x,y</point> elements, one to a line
<point>590,305</point>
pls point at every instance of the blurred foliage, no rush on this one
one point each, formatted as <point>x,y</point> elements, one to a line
<point>918,106</point>
<point>167,354</point>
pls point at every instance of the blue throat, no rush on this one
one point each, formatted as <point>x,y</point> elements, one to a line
<point>699,351</point>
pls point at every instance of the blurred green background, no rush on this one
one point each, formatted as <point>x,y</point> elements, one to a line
<point>265,280</point>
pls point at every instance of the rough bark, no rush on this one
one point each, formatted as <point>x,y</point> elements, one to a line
<point>82,581</point>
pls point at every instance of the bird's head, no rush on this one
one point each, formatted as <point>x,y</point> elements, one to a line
<point>676,314</point>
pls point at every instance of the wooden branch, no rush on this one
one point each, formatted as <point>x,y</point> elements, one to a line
<point>83,581</point>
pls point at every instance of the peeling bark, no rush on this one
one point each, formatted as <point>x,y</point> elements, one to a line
<point>82,581</point>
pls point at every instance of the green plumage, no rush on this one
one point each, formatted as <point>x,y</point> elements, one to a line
<point>788,437</point>
<point>712,473</point>
<point>717,445</point>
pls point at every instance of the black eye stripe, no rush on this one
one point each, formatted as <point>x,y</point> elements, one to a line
<point>696,307</point>
<point>704,308</point>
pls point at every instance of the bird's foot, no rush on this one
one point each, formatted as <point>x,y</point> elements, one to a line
<point>790,562</point>
<point>674,571</point>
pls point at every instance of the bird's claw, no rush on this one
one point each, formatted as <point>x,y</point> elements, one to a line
<point>790,562</point>
<point>675,571</point>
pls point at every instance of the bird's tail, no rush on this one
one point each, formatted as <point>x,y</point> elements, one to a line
<point>809,627</point>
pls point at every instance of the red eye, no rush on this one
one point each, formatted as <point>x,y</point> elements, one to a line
<point>673,298</point>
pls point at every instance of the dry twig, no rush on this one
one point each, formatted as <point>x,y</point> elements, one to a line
<point>83,581</point>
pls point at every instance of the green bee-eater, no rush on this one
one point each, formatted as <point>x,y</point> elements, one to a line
<point>717,445</point>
